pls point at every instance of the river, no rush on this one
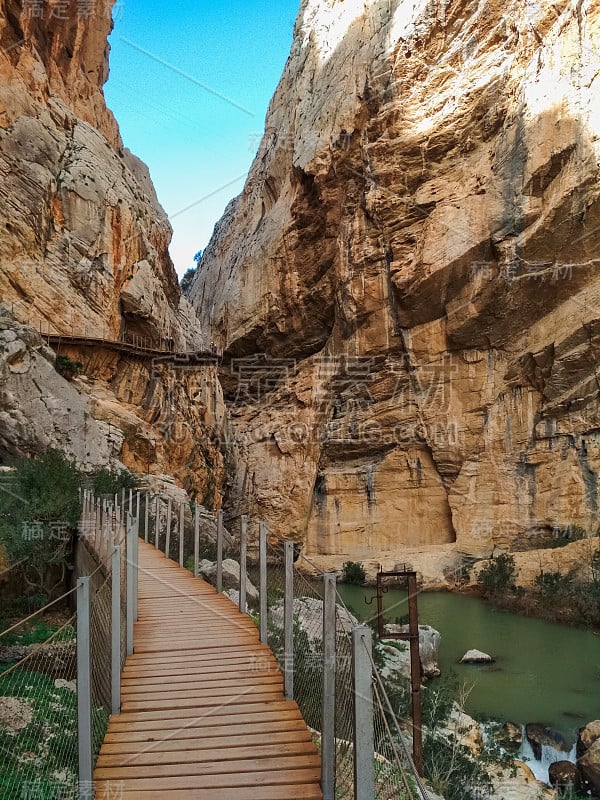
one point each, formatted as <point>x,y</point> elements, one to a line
<point>544,672</point>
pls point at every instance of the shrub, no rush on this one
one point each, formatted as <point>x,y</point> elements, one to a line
<point>499,575</point>
<point>353,572</point>
<point>449,765</point>
<point>554,583</point>
<point>39,512</point>
<point>67,368</point>
<point>110,483</point>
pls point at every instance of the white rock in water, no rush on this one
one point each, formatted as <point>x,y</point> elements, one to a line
<point>476,657</point>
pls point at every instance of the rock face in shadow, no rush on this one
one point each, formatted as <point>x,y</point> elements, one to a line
<point>84,245</point>
<point>408,285</point>
<point>540,735</point>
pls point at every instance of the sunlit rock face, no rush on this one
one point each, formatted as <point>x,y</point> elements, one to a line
<point>83,242</point>
<point>416,253</point>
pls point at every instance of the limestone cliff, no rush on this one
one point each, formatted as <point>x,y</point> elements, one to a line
<point>84,248</point>
<point>408,285</point>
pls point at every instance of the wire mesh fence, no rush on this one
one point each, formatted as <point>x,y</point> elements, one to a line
<point>100,657</point>
<point>344,711</point>
<point>44,701</point>
<point>38,705</point>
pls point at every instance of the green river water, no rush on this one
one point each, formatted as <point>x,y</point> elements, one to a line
<point>544,672</point>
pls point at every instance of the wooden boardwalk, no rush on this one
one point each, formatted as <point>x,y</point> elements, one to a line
<point>137,348</point>
<point>203,713</point>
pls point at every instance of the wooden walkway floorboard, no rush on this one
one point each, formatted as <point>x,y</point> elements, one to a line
<point>203,714</point>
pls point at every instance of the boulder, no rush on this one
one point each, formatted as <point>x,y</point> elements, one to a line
<point>587,736</point>
<point>563,775</point>
<point>509,737</point>
<point>589,767</point>
<point>429,644</point>
<point>466,730</point>
<point>519,784</point>
<point>309,611</point>
<point>476,657</point>
<point>539,734</point>
<point>231,577</point>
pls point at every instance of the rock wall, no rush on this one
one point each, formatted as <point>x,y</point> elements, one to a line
<point>408,285</point>
<point>84,246</point>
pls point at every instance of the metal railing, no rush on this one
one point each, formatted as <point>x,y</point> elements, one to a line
<point>58,692</point>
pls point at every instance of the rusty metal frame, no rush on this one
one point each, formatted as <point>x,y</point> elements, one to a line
<point>409,578</point>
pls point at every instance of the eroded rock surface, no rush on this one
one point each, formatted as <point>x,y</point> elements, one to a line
<point>84,250</point>
<point>410,276</point>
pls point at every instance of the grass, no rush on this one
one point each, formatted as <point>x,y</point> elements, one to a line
<point>38,759</point>
<point>42,755</point>
<point>34,632</point>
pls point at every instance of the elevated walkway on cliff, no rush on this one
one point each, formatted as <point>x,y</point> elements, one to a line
<point>203,712</point>
<point>136,347</point>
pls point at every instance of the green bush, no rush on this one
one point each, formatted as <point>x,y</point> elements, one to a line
<point>67,368</point>
<point>554,583</point>
<point>109,483</point>
<point>353,572</point>
<point>499,575</point>
<point>39,513</point>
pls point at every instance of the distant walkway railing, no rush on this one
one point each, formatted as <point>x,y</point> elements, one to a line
<point>138,346</point>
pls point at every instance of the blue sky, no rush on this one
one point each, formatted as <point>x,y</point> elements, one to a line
<point>189,85</point>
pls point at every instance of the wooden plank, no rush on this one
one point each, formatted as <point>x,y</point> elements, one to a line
<point>227,753</point>
<point>307,791</point>
<point>247,738</point>
<point>223,773</point>
<point>212,727</point>
<point>212,682</point>
<point>176,702</point>
<point>220,670</point>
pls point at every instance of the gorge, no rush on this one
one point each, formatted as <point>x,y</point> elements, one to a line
<point>405,294</point>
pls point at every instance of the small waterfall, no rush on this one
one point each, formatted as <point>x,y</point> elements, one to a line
<point>549,756</point>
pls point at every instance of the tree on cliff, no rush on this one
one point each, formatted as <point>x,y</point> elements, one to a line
<point>188,277</point>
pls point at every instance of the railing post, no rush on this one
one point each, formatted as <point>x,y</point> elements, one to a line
<point>130,583</point>
<point>243,563</point>
<point>220,550</point>
<point>98,516</point>
<point>136,566</point>
<point>196,541</point>
<point>329,670</point>
<point>181,532</point>
<point>262,550</point>
<point>137,505</point>
<point>115,577</point>
<point>168,534</point>
<point>288,621</point>
<point>415,671</point>
<point>364,739</point>
<point>84,689</point>
<point>156,521</point>
<point>146,516</point>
